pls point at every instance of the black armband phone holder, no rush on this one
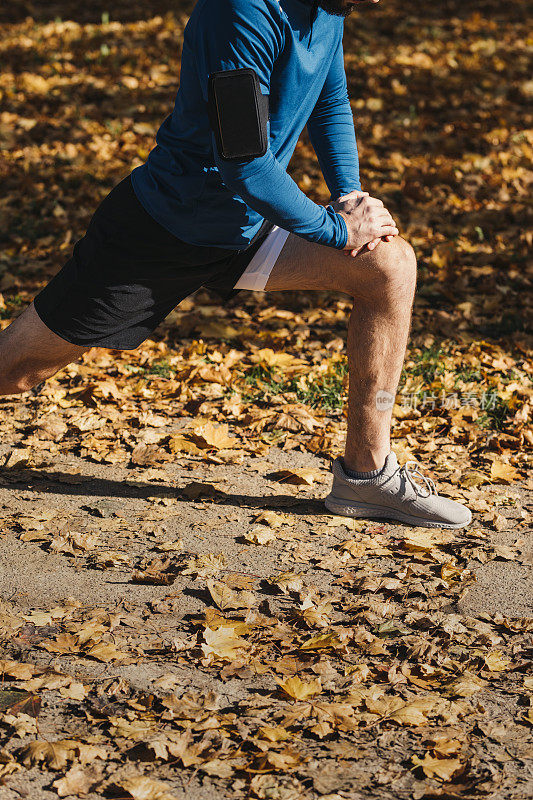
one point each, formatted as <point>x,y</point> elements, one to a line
<point>238,114</point>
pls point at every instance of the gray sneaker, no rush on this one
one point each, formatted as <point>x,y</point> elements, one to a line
<point>399,493</point>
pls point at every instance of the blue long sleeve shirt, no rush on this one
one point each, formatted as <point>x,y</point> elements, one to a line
<point>296,51</point>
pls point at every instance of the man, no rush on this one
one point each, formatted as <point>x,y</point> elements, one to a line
<point>214,206</point>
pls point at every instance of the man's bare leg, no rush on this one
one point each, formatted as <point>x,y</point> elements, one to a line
<point>30,352</point>
<point>382,283</point>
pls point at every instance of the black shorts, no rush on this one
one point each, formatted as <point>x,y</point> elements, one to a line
<point>128,272</point>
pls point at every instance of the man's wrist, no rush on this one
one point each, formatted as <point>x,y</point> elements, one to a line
<point>335,198</point>
<point>344,228</point>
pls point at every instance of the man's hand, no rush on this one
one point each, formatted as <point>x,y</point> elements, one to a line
<point>367,220</point>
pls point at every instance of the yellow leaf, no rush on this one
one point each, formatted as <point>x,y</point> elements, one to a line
<point>22,672</point>
<point>284,761</point>
<point>75,691</point>
<point>426,539</point>
<point>225,597</point>
<point>75,782</point>
<point>214,436</point>
<point>445,746</point>
<point>56,754</point>
<point>180,444</point>
<point>272,359</point>
<point>500,472</point>
<point>259,535</point>
<point>8,765</point>
<point>272,519</point>
<point>142,787</point>
<point>274,734</point>
<point>473,477</point>
<point>222,644</point>
<point>497,661</point>
<point>324,641</point>
<point>466,685</point>
<point>106,652</point>
<point>414,713</point>
<point>64,643</point>
<point>287,582</point>
<point>137,730</point>
<point>322,729</point>
<point>442,768</point>
<point>298,477</point>
<point>300,690</point>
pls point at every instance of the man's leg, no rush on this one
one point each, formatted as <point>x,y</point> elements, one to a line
<point>382,283</point>
<point>30,352</point>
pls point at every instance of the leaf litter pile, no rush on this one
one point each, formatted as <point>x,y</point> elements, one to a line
<point>179,615</point>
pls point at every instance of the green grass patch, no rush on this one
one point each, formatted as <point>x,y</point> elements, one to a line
<point>317,390</point>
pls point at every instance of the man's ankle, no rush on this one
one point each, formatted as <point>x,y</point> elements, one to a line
<point>366,462</point>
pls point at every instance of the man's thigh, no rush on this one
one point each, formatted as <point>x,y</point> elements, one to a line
<point>307,266</point>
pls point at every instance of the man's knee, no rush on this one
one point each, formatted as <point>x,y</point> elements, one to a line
<point>19,377</point>
<point>394,265</point>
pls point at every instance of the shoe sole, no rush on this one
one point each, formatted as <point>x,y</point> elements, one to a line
<point>381,512</point>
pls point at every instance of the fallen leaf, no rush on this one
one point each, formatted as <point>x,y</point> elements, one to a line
<point>298,477</point>
<point>142,787</point>
<point>300,690</point>
<point>444,769</point>
<point>225,597</point>
<point>75,782</point>
<point>500,472</point>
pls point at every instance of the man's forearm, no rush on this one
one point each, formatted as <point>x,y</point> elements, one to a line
<point>266,187</point>
<point>332,133</point>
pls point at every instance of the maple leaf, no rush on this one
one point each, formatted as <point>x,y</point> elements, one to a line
<point>8,765</point>
<point>17,670</point>
<point>500,472</point>
<point>497,661</point>
<point>466,685</point>
<point>298,477</point>
<point>222,644</point>
<point>142,787</point>
<point>272,359</point>
<point>274,734</point>
<point>287,582</point>
<point>56,754</point>
<point>324,641</point>
<point>74,691</point>
<point>426,539</point>
<point>225,597</point>
<point>214,436</point>
<point>137,730</point>
<point>182,444</point>
<point>259,535</point>
<point>272,519</point>
<point>444,769</point>
<point>75,782</point>
<point>106,652</point>
<point>300,690</point>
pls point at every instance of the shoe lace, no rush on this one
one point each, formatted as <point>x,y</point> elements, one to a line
<point>410,472</point>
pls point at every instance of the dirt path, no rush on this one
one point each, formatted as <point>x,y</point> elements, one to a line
<point>135,520</point>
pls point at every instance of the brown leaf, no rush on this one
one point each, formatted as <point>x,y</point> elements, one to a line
<point>226,598</point>
<point>500,472</point>
<point>300,690</point>
<point>75,782</point>
<point>142,787</point>
<point>298,477</point>
<point>444,769</point>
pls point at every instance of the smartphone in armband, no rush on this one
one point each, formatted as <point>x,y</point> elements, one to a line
<point>238,114</point>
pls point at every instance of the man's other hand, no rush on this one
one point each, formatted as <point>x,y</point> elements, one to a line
<point>365,216</point>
